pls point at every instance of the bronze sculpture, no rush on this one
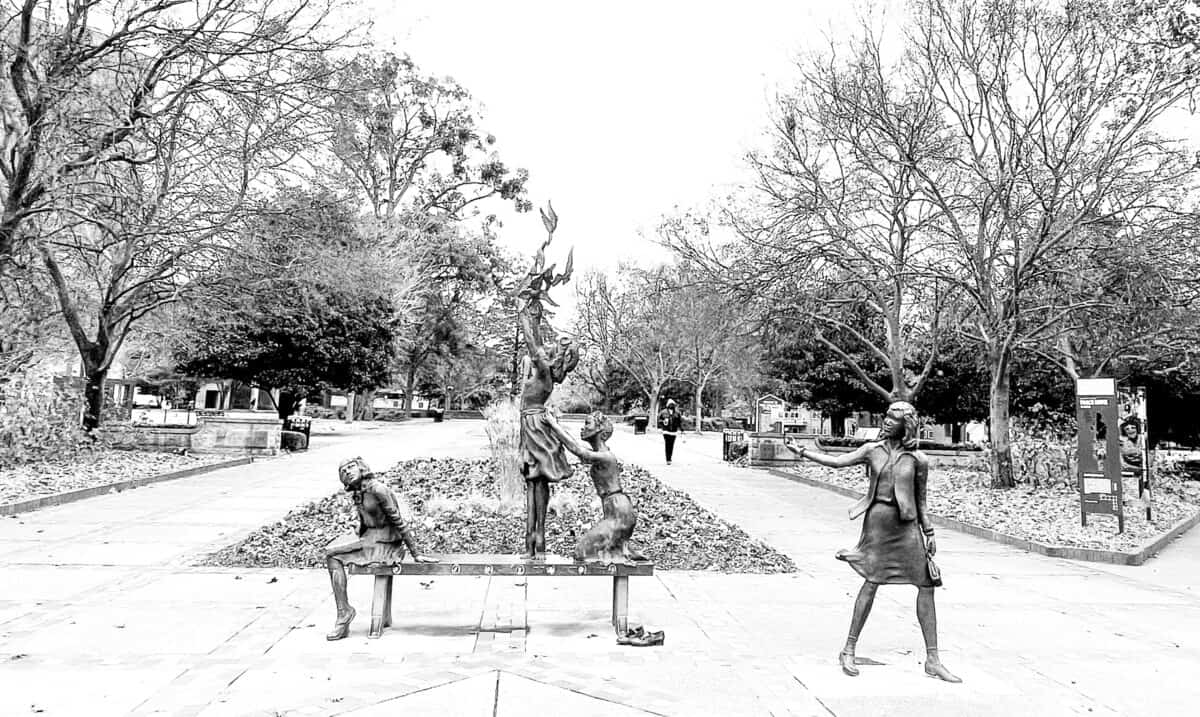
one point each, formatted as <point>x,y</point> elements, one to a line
<point>543,460</point>
<point>897,543</point>
<point>382,537</point>
<point>608,540</point>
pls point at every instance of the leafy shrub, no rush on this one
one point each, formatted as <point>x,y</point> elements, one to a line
<point>1043,449</point>
<point>502,423</point>
<point>38,418</point>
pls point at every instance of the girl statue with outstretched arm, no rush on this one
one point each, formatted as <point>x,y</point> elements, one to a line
<point>897,538</point>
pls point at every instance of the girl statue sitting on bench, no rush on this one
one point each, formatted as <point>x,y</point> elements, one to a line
<point>382,537</point>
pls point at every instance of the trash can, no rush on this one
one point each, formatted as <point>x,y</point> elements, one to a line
<point>733,444</point>
<point>299,424</point>
<point>640,423</point>
<point>438,415</point>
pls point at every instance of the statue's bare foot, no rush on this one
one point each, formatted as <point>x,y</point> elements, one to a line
<point>935,668</point>
<point>341,628</point>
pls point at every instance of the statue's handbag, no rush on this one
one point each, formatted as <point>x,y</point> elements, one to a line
<point>935,573</point>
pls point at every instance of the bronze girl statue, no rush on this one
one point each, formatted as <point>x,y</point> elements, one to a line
<point>897,542</point>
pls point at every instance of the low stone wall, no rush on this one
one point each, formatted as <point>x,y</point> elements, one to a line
<point>149,438</point>
<point>235,433</point>
<point>769,449</point>
<point>251,433</point>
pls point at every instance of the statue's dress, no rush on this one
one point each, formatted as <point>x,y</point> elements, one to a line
<point>381,529</point>
<point>891,550</point>
<point>542,454</point>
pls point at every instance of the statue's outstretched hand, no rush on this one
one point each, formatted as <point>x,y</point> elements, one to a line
<point>424,559</point>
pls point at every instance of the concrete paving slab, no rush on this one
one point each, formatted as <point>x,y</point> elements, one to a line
<point>33,583</point>
<point>471,697</point>
<point>99,553</point>
<point>33,526</point>
<point>126,629</point>
<point>67,691</point>
<point>518,696</point>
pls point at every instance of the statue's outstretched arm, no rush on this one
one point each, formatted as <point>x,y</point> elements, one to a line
<point>844,460</point>
<point>571,443</point>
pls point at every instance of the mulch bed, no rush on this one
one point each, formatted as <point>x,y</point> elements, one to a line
<point>89,469</point>
<point>454,507</point>
<point>1043,514</point>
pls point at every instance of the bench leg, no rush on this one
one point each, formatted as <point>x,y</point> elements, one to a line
<point>620,614</point>
<point>379,604</point>
<point>387,608</point>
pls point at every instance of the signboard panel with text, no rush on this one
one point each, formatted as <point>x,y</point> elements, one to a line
<point>1100,489</point>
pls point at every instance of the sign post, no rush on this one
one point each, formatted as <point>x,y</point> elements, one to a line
<point>1100,487</point>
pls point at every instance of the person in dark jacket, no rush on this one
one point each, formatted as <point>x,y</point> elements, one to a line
<point>669,422</point>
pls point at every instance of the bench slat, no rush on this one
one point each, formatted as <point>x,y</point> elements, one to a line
<point>507,565</point>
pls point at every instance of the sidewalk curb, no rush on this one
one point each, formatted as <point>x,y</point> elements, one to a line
<point>1092,555</point>
<point>72,496</point>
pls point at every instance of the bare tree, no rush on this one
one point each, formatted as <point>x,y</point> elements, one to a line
<point>714,330</point>
<point>139,132</point>
<point>835,219</point>
<point>1051,116</point>
<point>408,142</point>
<point>633,321</point>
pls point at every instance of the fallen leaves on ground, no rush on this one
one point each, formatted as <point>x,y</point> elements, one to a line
<point>89,469</point>
<point>1044,514</point>
<point>453,506</point>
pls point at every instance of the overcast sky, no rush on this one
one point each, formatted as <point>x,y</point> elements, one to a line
<point>620,110</point>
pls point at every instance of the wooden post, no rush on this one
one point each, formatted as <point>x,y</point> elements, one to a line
<point>379,605</point>
<point>387,607</point>
<point>620,614</point>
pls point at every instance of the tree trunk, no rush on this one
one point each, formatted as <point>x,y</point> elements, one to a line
<point>699,391</point>
<point>1002,468</point>
<point>365,411</point>
<point>410,381</point>
<point>93,394</point>
<point>837,423</point>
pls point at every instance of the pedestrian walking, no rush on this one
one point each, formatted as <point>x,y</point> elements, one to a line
<point>669,422</point>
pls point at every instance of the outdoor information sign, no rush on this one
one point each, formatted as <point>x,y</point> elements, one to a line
<point>1100,489</point>
<point>770,412</point>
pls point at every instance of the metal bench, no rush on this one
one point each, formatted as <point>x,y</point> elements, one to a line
<point>505,566</point>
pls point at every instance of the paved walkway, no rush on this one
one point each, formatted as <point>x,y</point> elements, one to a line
<point>102,612</point>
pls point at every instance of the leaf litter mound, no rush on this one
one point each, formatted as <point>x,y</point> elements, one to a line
<point>454,506</point>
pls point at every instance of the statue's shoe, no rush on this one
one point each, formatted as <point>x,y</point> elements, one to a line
<point>846,660</point>
<point>341,628</point>
<point>938,670</point>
